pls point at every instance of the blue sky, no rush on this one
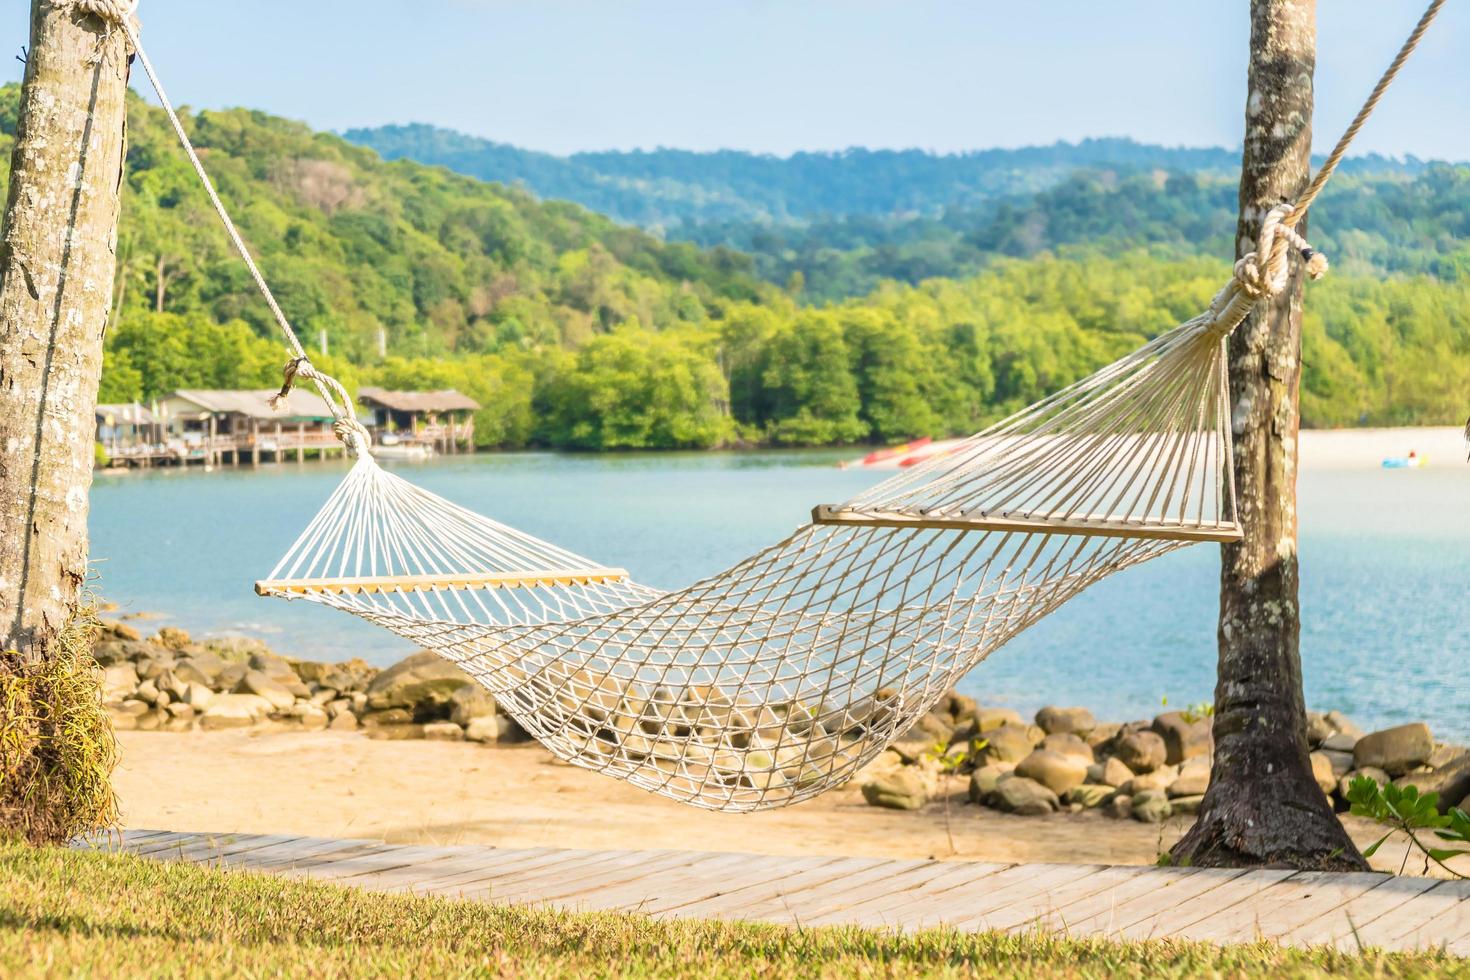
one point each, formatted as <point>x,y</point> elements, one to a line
<point>784,75</point>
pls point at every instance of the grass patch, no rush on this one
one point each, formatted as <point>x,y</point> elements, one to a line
<point>65,913</point>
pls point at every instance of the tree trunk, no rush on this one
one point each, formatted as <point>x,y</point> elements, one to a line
<point>56,276</point>
<point>1263,806</point>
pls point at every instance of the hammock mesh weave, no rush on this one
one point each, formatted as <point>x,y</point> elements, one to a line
<point>776,679</point>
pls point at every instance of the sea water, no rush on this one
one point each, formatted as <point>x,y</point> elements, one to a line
<point>1385,568</point>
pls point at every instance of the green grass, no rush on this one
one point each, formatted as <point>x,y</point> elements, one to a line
<point>71,913</point>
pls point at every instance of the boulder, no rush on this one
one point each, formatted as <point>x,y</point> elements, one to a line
<point>1151,806</point>
<point>1339,742</point>
<point>1184,737</point>
<point>470,702</point>
<point>962,707</point>
<point>1186,805</point>
<point>1395,750</point>
<point>1319,729</point>
<point>1089,795</point>
<point>151,668</point>
<point>443,731</point>
<point>1071,721</point>
<point>234,711</point>
<point>1322,773</point>
<point>482,729</point>
<point>1377,775</point>
<point>230,676</point>
<point>933,727</point>
<point>1191,781</point>
<point>1025,797</point>
<point>1008,743</point>
<point>1444,755</point>
<point>1342,762</point>
<point>1142,751</point>
<point>1451,782</point>
<point>147,692</point>
<point>344,721</point>
<point>258,683</point>
<point>1068,744</point>
<point>180,710</point>
<point>912,748</point>
<point>1343,725</point>
<point>1160,779</point>
<point>1114,772</point>
<point>188,670</point>
<point>901,789</point>
<point>113,630</point>
<point>421,680</point>
<point>310,717</point>
<point>197,695</point>
<point>235,649</point>
<point>1057,772</point>
<point>1102,735</point>
<point>1119,806</point>
<point>119,679</point>
<point>131,706</point>
<point>993,718</point>
<point>984,780</point>
<point>172,638</point>
<point>387,716</point>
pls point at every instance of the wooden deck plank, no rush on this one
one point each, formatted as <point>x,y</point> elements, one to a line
<point>1168,918</point>
<point>970,906</point>
<point>1274,911</point>
<point>879,912</point>
<point>1309,908</point>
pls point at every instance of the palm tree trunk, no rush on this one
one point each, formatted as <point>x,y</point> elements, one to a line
<point>1263,806</point>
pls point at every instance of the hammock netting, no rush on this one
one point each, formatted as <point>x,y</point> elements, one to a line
<point>780,677</point>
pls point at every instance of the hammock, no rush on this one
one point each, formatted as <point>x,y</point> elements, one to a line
<point>780,677</point>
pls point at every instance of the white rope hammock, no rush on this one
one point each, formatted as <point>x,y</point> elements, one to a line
<point>780,677</point>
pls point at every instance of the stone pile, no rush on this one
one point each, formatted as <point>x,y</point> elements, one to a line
<point>1145,770</point>
<point>169,682</point>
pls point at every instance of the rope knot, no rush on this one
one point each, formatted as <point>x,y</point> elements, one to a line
<point>122,14</point>
<point>296,367</point>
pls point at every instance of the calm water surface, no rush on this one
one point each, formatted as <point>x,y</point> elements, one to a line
<point>1385,567</point>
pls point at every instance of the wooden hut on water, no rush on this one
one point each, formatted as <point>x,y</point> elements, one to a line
<point>443,420</point>
<point>129,433</point>
<point>215,426</point>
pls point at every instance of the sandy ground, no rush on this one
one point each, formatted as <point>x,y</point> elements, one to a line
<point>347,785</point>
<point>1352,448</point>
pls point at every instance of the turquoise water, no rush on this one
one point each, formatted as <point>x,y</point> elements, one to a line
<point>1385,566</point>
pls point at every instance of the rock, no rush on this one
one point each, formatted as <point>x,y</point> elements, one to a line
<point>1343,725</point>
<point>470,702</point>
<point>1395,750</point>
<point>1142,751</point>
<point>1160,779</point>
<point>1008,743</point>
<point>1342,762</point>
<point>1444,755</point>
<point>131,706</point>
<point>387,716</point>
<point>234,711</point>
<point>310,717</point>
<point>1102,736</point>
<point>258,683</point>
<point>1068,744</point>
<point>197,695</point>
<point>113,630</point>
<point>172,638</point>
<point>1055,771</point>
<point>1339,742</point>
<point>1192,781</point>
<point>1090,795</point>
<point>482,729</point>
<point>902,789</point>
<point>911,749</point>
<point>1120,807</point>
<point>422,680</point>
<point>984,780</point>
<point>443,731</point>
<point>1071,721</point>
<point>1183,738</point>
<point>510,731</point>
<point>187,670</point>
<point>993,718</point>
<point>1186,805</point>
<point>1151,806</point>
<point>235,649</point>
<point>395,733</point>
<point>184,711</point>
<point>344,721</point>
<point>338,706</point>
<point>1451,782</point>
<point>934,727</point>
<point>1319,729</point>
<point>962,707</point>
<point>1377,775</point>
<point>229,677</point>
<point>148,692</point>
<point>151,668</point>
<point>1115,773</point>
<point>119,679</point>
<point>1322,772</point>
<point>1025,797</point>
<point>151,721</point>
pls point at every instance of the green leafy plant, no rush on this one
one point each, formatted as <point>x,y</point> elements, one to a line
<point>1404,809</point>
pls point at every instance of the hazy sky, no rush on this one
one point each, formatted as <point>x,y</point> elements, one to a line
<point>784,75</point>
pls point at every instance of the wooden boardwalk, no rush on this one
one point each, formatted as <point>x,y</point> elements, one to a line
<point>1301,908</point>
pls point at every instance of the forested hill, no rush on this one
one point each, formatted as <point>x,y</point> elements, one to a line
<point>665,188</point>
<point>577,332</point>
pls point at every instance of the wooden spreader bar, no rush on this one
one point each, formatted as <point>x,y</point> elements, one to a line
<point>536,578</point>
<point>1023,523</point>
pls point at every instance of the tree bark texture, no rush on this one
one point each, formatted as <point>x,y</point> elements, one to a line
<point>1263,806</point>
<point>56,275</point>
